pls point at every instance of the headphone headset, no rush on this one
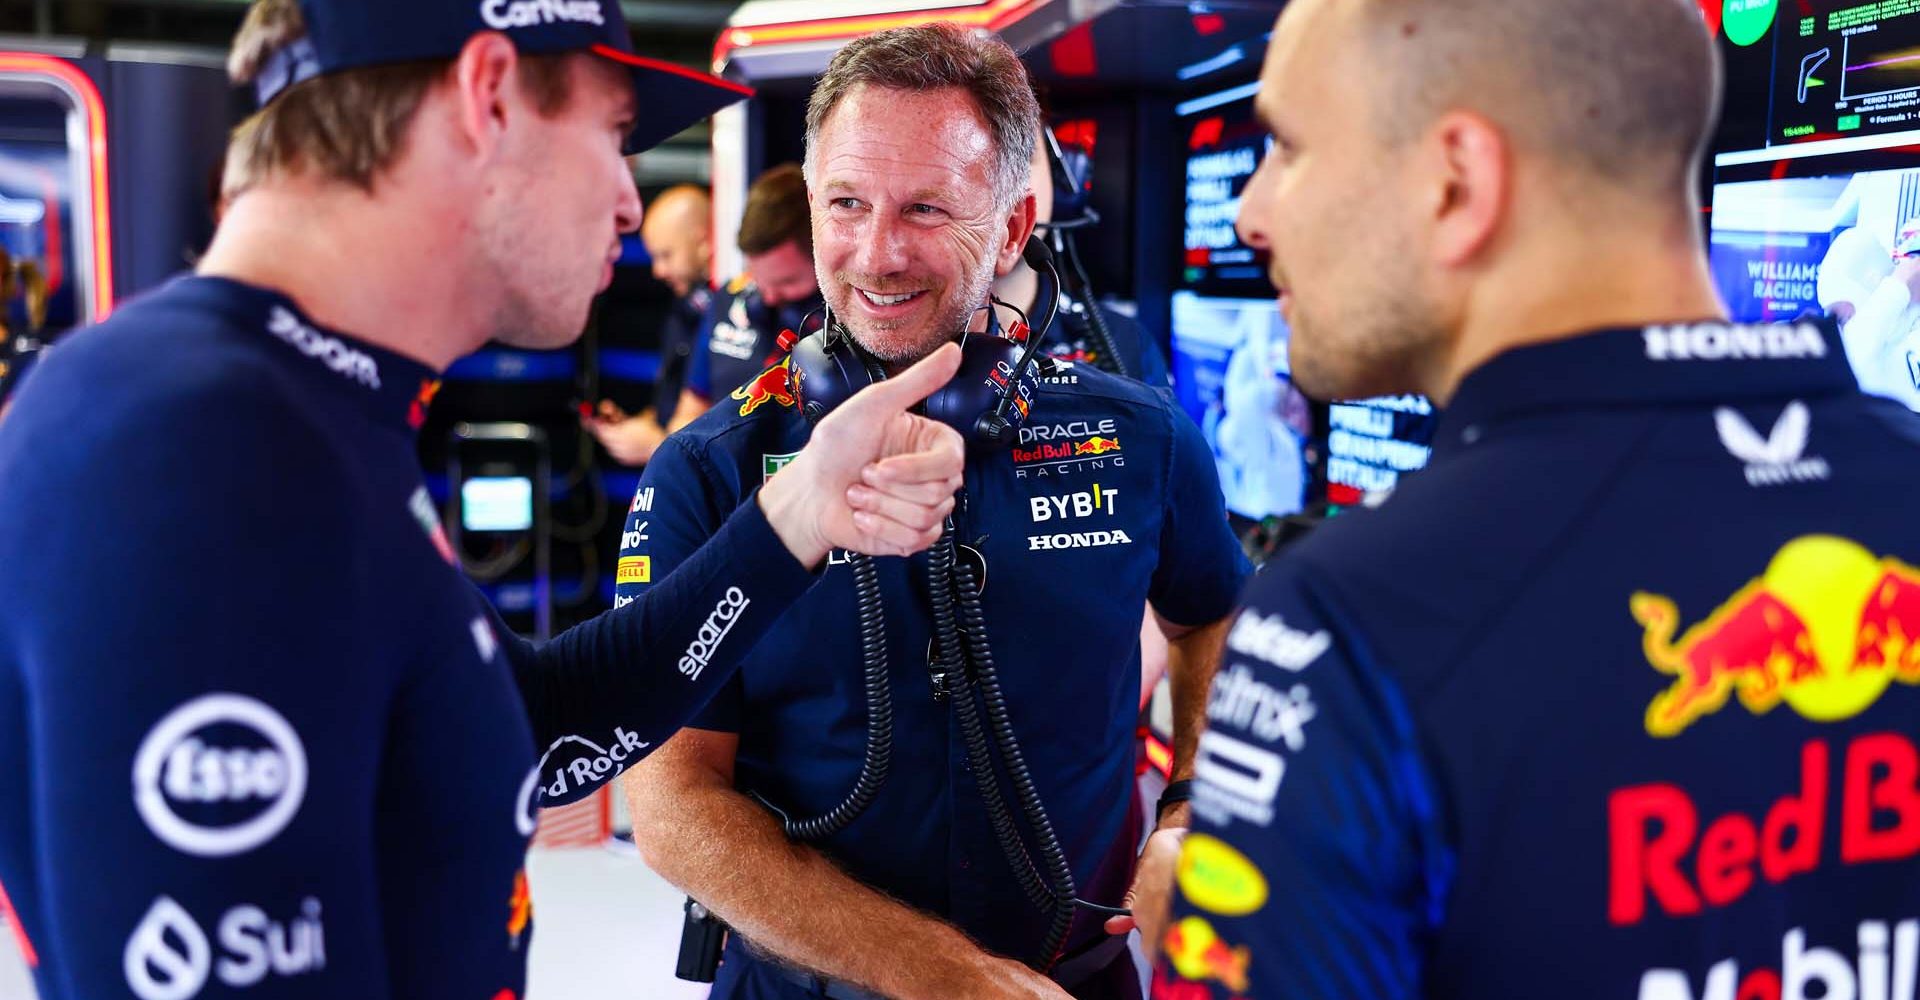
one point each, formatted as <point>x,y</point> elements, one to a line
<point>987,400</point>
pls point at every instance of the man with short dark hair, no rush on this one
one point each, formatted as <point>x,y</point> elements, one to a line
<point>777,292</point>
<point>1597,705</point>
<point>259,730</point>
<point>941,877</point>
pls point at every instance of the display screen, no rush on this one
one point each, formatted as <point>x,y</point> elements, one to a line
<point>1224,145</point>
<point>1372,443</point>
<point>1230,374</point>
<point>1230,368</point>
<point>496,503</point>
<point>1821,213</point>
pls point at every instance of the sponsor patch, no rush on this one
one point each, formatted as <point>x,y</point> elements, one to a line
<point>220,775</point>
<point>634,569</point>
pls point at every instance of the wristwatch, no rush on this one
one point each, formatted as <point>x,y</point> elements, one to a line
<point>1176,793</point>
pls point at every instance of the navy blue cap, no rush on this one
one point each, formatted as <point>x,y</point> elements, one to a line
<point>345,34</point>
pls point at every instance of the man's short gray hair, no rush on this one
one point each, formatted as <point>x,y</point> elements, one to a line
<point>933,57</point>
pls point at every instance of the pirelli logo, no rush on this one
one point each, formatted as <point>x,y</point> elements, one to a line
<point>634,569</point>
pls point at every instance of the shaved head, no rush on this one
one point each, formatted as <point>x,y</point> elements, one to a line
<point>1627,94</point>
<point>1447,178</point>
<point>678,232</point>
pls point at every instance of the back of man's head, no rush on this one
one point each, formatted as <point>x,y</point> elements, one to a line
<point>776,213</point>
<point>1622,96</point>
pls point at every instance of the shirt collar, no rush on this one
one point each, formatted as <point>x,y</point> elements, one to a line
<point>391,388</point>
<point>1639,366</point>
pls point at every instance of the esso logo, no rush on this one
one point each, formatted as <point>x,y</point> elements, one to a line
<point>220,775</point>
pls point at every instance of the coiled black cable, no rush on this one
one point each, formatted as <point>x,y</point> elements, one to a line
<point>950,660</point>
<point>973,627</point>
<point>879,755</point>
<point>1083,294</point>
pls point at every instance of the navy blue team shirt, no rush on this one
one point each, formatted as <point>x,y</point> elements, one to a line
<point>740,337</point>
<point>1109,502</point>
<point>1615,699</point>
<point>261,736</point>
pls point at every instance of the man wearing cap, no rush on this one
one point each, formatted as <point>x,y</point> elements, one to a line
<point>1600,704</point>
<point>259,731</point>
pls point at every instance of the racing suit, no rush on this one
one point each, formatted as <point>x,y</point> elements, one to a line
<point>1615,699</point>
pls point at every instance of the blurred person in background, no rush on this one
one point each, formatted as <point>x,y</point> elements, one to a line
<point>678,233</point>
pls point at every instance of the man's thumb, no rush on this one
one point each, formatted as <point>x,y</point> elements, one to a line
<point>911,386</point>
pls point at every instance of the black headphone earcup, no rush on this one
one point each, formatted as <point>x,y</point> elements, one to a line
<point>825,371</point>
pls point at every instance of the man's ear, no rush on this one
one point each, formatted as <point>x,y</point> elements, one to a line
<point>485,76</point>
<point>1019,230</point>
<point>1473,166</point>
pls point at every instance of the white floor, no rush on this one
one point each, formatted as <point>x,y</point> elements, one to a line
<point>605,928</point>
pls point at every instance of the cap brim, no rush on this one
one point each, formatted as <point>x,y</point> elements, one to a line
<point>669,98</point>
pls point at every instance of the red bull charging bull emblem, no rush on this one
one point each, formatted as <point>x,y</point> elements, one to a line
<point>1825,629</point>
<point>770,385</point>
<point>1096,446</point>
<point>1197,954</point>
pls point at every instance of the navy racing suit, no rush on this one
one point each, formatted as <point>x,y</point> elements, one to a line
<point>1616,699</point>
<point>221,577</point>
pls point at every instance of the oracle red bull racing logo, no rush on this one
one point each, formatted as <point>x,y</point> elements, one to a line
<point>1825,629</point>
<point>771,385</point>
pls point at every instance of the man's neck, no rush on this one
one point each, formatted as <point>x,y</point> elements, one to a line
<point>1021,287</point>
<point>352,262</point>
<point>1575,286</point>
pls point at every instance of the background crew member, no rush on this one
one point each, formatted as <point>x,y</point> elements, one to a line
<point>678,233</point>
<point>334,749</point>
<point>1598,704</point>
<point>1073,338</point>
<point>777,293</point>
<point>918,151</point>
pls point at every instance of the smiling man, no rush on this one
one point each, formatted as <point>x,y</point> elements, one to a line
<point>918,145</point>
<point>1598,704</point>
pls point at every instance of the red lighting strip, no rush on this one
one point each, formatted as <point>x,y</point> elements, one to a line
<point>94,111</point>
<point>993,15</point>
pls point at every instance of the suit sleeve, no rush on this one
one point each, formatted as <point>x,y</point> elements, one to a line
<point>1202,566</point>
<point>693,593</point>
<point>194,621</point>
<point>1316,868</point>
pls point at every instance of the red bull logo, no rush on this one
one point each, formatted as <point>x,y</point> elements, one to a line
<point>770,385</point>
<point>1196,952</point>
<point>1825,629</point>
<point>1096,446</point>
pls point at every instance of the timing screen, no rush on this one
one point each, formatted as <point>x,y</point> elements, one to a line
<point>1846,68</point>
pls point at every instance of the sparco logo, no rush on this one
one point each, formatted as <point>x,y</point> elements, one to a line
<point>213,757</point>
<point>504,14</point>
<point>168,957</point>
<point>1078,540</point>
<point>596,766</point>
<point>1076,429</point>
<point>1719,342</point>
<point>327,350</point>
<point>1271,640</point>
<point>713,632</point>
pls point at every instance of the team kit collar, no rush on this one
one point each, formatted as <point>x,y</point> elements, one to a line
<point>346,34</point>
<point>393,389</point>
<point>1698,362</point>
